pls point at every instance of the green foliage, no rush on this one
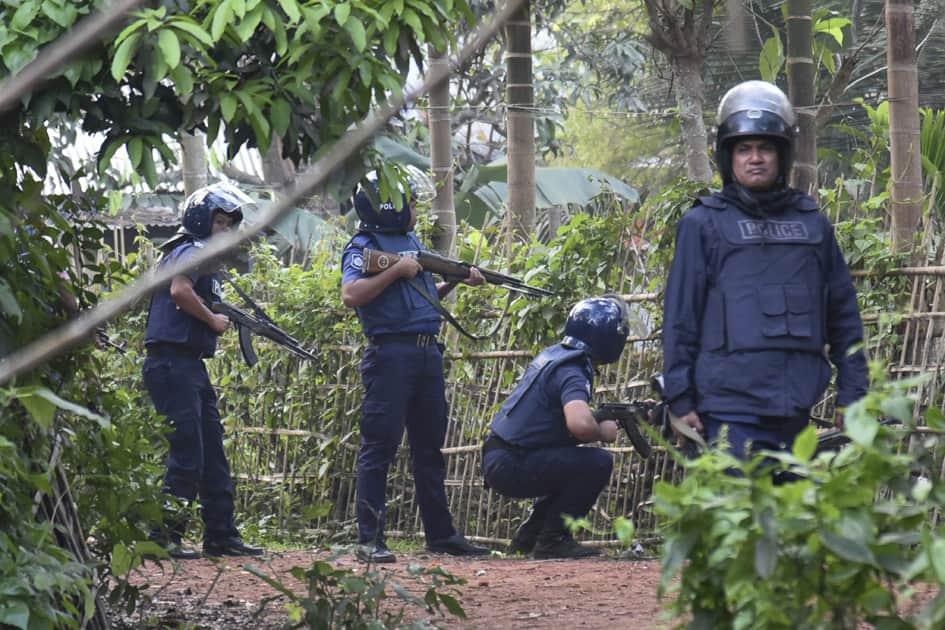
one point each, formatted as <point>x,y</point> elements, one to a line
<point>828,37</point>
<point>253,70</point>
<point>343,598</point>
<point>845,544</point>
<point>932,138</point>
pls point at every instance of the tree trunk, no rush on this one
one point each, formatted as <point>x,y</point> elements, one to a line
<point>441,158</point>
<point>904,149</point>
<point>193,148</point>
<point>800,74</point>
<point>278,172</point>
<point>690,97</point>
<point>521,124</point>
<point>682,35</point>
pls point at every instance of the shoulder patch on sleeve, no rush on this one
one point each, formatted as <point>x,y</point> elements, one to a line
<point>357,261</point>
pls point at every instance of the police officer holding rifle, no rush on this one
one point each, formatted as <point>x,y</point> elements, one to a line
<point>401,368</point>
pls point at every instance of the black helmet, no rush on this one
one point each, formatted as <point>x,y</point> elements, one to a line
<point>199,208</point>
<point>600,325</point>
<point>755,109</point>
<point>390,218</point>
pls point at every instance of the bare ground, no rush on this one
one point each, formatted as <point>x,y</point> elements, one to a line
<point>499,592</point>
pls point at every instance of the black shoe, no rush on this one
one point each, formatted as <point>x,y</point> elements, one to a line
<point>230,546</point>
<point>175,548</point>
<point>457,545</point>
<point>377,553</point>
<point>562,546</point>
<point>522,542</point>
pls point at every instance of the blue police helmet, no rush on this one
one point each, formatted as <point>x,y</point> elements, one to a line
<point>601,325</point>
<point>388,217</point>
<point>200,206</point>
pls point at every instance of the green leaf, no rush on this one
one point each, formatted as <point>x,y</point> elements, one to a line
<point>291,9</point>
<point>25,15</point>
<point>221,18</point>
<point>771,58</point>
<point>170,47</point>
<point>41,410</point>
<point>806,444</point>
<point>935,419</point>
<point>186,24</point>
<point>937,558</point>
<point>899,407</point>
<point>228,106</point>
<point>849,549</point>
<point>356,31</point>
<point>16,614</point>
<point>121,560</point>
<point>135,149</point>
<point>123,56</point>
<point>452,605</point>
<point>342,11</point>
<point>281,114</point>
<point>413,20</point>
<point>183,80</point>
<point>391,35</point>
<point>8,303</point>
<point>148,168</point>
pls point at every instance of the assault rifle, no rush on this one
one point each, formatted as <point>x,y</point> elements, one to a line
<point>248,324</point>
<point>835,439</point>
<point>376,261</point>
<point>104,339</point>
<point>257,323</point>
<point>629,416</point>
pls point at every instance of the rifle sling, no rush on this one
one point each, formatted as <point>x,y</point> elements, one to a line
<point>452,320</point>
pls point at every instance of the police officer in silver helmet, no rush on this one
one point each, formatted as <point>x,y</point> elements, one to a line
<point>181,333</point>
<point>759,300</point>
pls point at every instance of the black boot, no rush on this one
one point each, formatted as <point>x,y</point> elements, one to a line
<point>558,544</point>
<point>527,535</point>
<point>170,536</point>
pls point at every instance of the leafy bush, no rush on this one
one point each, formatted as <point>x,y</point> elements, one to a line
<point>342,598</point>
<point>845,544</point>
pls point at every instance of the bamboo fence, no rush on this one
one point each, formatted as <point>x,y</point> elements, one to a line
<point>300,469</point>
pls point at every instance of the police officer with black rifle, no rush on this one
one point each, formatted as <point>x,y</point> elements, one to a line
<point>181,332</point>
<point>401,368</point>
<point>759,295</point>
<point>533,449</point>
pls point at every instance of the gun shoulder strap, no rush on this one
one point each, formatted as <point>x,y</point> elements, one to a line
<point>452,320</point>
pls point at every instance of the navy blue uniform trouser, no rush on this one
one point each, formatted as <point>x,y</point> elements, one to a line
<point>566,480</point>
<point>404,388</point>
<point>749,434</point>
<point>196,463</point>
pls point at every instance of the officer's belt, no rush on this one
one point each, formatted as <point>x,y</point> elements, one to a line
<point>172,351</point>
<point>418,339</point>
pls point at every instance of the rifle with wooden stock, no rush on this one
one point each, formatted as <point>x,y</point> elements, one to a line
<point>376,261</point>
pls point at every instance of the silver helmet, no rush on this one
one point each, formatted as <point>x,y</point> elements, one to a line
<point>755,109</point>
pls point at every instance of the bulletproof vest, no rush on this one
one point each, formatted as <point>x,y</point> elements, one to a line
<point>531,417</point>
<point>400,308</point>
<point>168,324</point>
<point>767,288</point>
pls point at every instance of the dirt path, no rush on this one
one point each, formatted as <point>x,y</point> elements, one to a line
<point>499,593</point>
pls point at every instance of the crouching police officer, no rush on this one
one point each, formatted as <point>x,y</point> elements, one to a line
<point>533,448</point>
<point>181,332</point>
<point>402,372</point>
<point>757,289</point>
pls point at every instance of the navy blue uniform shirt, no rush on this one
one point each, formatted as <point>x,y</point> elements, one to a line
<point>168,324</point>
